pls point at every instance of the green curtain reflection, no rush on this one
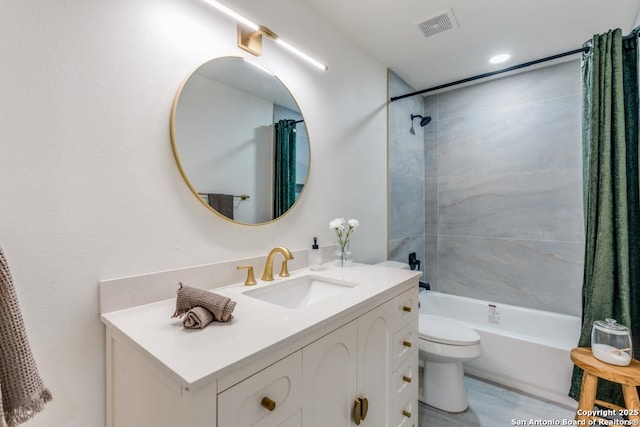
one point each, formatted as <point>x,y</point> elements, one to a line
<point>284,195</point>
<point>611,285</point>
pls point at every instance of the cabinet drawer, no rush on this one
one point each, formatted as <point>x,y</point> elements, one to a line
<point>405,414</point>
<point>405,345</point>
<point>405,308</point>
<point>405,382</point>
<point>268,398</point>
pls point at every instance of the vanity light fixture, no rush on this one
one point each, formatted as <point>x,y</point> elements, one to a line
<point>224,9</point>
<point>250,36</point>
<point>301,54</point>
<point>499,58</point>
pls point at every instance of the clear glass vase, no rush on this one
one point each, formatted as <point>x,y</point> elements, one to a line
<point>343,256</point>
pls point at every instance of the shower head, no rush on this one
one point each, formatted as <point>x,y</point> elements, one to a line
<point>424,120</point>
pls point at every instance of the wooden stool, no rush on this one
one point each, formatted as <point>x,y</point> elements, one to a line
<point>627,376</point>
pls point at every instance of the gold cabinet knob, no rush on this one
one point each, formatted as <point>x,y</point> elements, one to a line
<point>406,379</point>
<point>268,404</point>
<point>406,413</point>
<point>406,308</point>
<point>406,343</point>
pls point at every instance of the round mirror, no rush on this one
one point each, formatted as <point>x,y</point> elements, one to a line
<point>240,140</point>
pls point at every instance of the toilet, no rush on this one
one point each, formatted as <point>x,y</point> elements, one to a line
<point>444,344</point>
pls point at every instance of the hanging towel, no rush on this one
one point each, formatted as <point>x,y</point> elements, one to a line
<point>221,307</point>
<point>197,318</point>
<point>223,203</point>
<point>22,392</point>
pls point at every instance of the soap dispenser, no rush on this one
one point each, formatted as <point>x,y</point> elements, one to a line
<point>315,256</point>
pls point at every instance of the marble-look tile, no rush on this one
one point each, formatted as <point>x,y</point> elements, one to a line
<point>406,150</point>
<point>430,264</point>
<point>501,162</point>
<point>536,274</point>
<point>406,174</point>
<point>430,147</point>
<point>544,83</point>
<point>544,204</point>
<point>541,135</point>
<point>432,417</point>
<point>431,106</point>
<point>491,405</point>
<point>431,206</point>
<point>399,249</point>
<point>406,205</point>
<point>406,154</point>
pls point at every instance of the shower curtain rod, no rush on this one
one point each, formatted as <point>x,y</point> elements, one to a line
<point>634,33</point>
<point>492,73</point>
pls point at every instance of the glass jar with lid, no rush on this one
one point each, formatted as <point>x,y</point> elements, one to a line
<point>611,342</point>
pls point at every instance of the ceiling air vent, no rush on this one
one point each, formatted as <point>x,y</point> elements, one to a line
<point>444,21</point>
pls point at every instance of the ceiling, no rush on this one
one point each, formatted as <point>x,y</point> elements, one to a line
<point>527,29</point>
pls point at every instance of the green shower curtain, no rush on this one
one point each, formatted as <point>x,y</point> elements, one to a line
<point>284,150</point>
<point>611,284</point>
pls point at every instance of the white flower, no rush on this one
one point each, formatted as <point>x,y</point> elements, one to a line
<point>337,224</point>
<point>353,223</point>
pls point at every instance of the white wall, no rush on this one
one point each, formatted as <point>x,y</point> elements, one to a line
<point>89,187</point>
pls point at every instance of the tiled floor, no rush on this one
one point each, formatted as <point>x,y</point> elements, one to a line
<point>492,406</point>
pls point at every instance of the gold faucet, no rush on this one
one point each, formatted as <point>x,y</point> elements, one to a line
<point>268,266</point>
<point>250,280</point>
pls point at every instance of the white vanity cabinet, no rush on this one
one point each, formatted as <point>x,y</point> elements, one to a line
<point>404,382</point>
<point>374,357</point>
<point>330,378</point>
<point>325,376</point>
<point>350,369</point>
<point>270,398</point>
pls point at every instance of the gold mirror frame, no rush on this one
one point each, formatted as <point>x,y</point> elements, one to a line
<point>181,166</point>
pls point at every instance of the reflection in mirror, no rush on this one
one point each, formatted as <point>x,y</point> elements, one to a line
<point>240,140</point>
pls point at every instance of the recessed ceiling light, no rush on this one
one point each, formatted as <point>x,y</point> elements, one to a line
<point>499,58</point>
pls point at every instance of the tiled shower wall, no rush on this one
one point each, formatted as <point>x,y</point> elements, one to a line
<point>503,192</point>
<point>406,174</point>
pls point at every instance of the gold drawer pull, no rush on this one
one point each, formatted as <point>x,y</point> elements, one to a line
<point>406,343</point>
<point>407,309</point>
<point>406,413</point>
<point>268,404</point>
<point>406,379</point>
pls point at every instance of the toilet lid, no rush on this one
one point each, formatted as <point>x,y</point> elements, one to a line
<point>446,331</point>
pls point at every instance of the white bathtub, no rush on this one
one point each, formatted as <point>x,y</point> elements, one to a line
<point>524,349</point>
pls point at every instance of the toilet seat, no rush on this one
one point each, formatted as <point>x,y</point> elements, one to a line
<point>446,331</point>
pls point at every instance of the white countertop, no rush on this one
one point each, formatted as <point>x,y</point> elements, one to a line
<point>198,355</point>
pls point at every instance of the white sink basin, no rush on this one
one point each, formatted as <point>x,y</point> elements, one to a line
<point>300,291</point>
